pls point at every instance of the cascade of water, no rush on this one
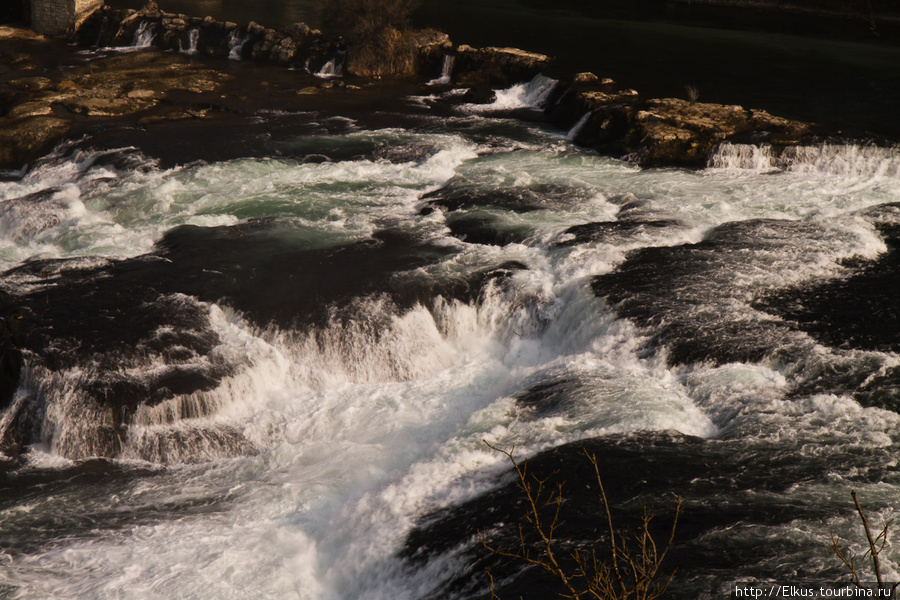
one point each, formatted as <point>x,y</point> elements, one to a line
<point>538,90</point>
<point>236,43</point>
<point>144,35</point>
<point>446,71</point>
<point>844,160</point>
<point>332,68</point>
<point>371,419</point>
<point>103,27</point>
<point>193,40</point>
<point>533,94</point>
<point>577,127</point>
<point>747,157</point>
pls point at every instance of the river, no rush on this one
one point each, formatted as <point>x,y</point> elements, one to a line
<point>310,342</point>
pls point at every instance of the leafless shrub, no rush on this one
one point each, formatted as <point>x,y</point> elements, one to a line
<point>693,93</point>
<point>876,545</point>
<point>365,19</point>
<point>633,568</point>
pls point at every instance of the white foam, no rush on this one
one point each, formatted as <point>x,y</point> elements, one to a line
<point>144,35</point>
<point>446,70</point>
<point>533,94</point>
<point>345,436</point>
<point>236,43</point>
<point>848,161</point>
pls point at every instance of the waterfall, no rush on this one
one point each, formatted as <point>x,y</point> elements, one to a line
<point>144,35</point>
<point>533,94</point>
<point>576,129</point>
<point>193,40</point>
<point>236,44</point>
<point>446,71</point>
<point>845,160</point>
<point>745,157</point>
<point>332,68</point>
<point>103,27</point>
<point>839,160</point>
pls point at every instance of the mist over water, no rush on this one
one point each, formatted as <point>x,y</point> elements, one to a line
<point>287,361</point>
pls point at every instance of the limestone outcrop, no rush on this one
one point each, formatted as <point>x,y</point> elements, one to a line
<point>663,131</point>
<point>496,67</point>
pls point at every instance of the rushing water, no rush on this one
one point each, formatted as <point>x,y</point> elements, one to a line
<point>310,344</point>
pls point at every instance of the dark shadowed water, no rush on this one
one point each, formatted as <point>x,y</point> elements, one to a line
<point>833,72</point>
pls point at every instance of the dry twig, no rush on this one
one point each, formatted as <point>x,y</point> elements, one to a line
<point>633,569</point>
<point>876,545</point>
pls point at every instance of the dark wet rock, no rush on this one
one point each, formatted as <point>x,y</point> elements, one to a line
<point>11,363</point>
<point>415,153</point>
<point>608,232</point>
<point>23,218</point>
<point>23,140</point>
<point>859,311</point>
<point>457,195</point>
<point>856,311</point>
<point>64,487</point>
<point>479,94</point>
<point>720,482</point>
<point>483,229</point>
<point>688,296</point>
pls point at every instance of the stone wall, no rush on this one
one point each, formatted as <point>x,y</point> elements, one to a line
<point>60,17</point>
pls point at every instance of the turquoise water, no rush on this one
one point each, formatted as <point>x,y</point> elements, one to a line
<point>325,441</point>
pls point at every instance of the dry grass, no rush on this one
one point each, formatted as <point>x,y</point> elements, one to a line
<point>377,33</point>
<point>389,53</point>
<point>365,19</point>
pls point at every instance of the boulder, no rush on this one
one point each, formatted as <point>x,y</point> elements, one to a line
<point>107,107</point>
<point>431,46</point>
<point>585,77</point>
<point>32,84</point>
<point>671,131</point>
<point>663,131</point>
<point>479,94</point>
<point>26,139</point>
<point>497,67</point>
<point>30,109</point>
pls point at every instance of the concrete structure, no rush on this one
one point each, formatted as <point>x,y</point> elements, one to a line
<point>60,17</point>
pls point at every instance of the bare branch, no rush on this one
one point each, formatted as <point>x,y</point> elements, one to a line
<point>632,571</point>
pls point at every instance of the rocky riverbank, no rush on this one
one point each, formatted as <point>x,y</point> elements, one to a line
<point>199,68</point>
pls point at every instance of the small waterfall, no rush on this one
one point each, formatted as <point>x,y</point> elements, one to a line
<point>538,90</point>
<point>193,40</point>
<point>744,157</point>
<point>144,35</point>
<point>104,25</point>
<point>844,160</point>
<point>533,94</point>
<point>446,71</point>
<point>840,160</point>
<point>576,129</point>
<point>236,43</point>
<point>332,68</point>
